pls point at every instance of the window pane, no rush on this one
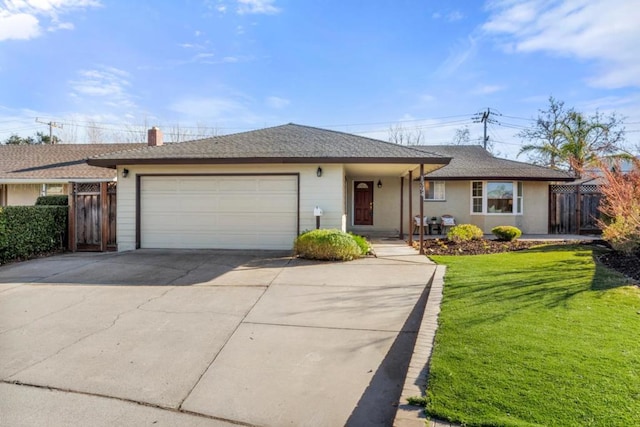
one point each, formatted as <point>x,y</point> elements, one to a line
<point>477,189</point>
<point>54,189</point>
<point>434,190</point>
<point>500,197</point>
<point>477,205</point>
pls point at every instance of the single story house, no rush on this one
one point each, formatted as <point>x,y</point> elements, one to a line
<point>30,171</point>
<point>260,189</point>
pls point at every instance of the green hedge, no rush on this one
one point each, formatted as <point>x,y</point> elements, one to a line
<point>328,245</point>
<point>52,201</point>
<point>506,233</point>
<point>26,231</point>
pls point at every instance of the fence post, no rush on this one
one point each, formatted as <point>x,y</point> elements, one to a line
<point>578,208</point>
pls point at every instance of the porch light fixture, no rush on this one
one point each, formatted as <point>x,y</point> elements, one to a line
<point>379,184</point>
<point>319,172</point>
<point>125,173</point>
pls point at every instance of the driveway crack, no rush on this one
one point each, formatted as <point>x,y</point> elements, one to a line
<point>125,400</point>
<point>90,334</point>
<point>84,297</point>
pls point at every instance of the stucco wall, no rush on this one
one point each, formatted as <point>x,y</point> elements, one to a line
<point>23,194</point>
<point>325,191</point>
<point>534,219</point>
<point>386,205</point>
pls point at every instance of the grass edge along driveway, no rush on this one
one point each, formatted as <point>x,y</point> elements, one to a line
<point>544,336</point>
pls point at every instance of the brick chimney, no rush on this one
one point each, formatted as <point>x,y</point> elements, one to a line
<point>154,137</point>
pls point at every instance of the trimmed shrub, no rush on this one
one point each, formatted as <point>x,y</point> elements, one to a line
<point>464,232</point>
<point>327,244</point>
<point>506,233</point>
<point>52,201</point>
<point>363,243</point>
<point>26,231</point>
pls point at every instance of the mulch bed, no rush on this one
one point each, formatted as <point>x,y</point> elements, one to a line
<point>629,265</point>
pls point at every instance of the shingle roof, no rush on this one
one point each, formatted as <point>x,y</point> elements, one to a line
<point>289,143</point>
<point>55,162</point>
<point>474,162</point>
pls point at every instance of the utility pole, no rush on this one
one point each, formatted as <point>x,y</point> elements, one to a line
<point>484,117</point>
<point>51,126</point>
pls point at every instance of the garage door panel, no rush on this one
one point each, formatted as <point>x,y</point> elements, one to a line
<point>197,203</point>
<point>276,184</point>
<point>278,203</point>
<point>160,185</point>
<point>233,185</point>
<point>244,212</point>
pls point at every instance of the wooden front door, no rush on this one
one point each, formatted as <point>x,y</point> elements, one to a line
<point>363,203</point>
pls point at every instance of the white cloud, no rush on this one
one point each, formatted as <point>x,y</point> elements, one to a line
<point>453,16</point>
<point>257,7</point>
<point>487,89</point>
<point>277,102</point>
<point>61,26</point>
<point>19,26</point>
<point>461,53</point>
<point>603,31</point>
<point>25,19</point>
<point>109,84</point>
<point>216,109</point>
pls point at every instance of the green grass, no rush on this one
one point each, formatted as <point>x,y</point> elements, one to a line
<point>539,337</point>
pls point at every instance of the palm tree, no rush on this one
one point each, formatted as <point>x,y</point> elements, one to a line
<point>582,141</point>
<point>545,149</point>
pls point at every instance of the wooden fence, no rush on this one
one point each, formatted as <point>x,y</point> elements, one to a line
<point>573,209</point>
<point>92,219</point>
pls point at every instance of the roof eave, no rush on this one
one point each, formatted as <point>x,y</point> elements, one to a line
<point>499,178</point>
<point>113,163</point>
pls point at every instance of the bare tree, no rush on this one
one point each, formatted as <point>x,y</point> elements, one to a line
<point>462,136</point>
<point>95,134</point>
<point>133,132</point>
<point>69,133</point>
<point>400,135</point>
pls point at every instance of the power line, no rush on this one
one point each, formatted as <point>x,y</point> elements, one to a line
<point>51,125</point>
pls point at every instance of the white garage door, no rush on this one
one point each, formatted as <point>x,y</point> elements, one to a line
<point>228,212</point>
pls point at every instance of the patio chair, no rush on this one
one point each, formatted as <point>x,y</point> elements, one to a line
<point>416,224</point>
<point>447,222</point>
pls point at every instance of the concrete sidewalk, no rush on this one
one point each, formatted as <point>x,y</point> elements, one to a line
<point>211,338</point>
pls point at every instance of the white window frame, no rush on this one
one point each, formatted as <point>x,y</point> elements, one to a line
<point>439,191</point>
<point>517,198</point>
<point>48,190</point>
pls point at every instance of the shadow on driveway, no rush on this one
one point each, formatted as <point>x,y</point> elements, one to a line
<point>151,267</point>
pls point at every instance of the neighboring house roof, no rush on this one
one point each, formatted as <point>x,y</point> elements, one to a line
<point>55,163</point>
<point>474,162</point>
<point>289,143</point>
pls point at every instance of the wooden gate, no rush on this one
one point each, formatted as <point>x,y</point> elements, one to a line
<point>92,219</point>
<point>573,209</point>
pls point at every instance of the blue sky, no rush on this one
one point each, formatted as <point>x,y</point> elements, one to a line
<point>108,69</point>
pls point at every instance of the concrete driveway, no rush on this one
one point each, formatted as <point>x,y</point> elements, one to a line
<point>208,338</point>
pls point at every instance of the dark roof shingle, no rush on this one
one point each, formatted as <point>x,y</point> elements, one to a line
<point>55,162</point>
<point>474,162</point>
<point>289,143</point>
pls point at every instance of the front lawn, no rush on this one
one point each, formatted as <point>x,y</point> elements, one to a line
<point>536,337</point>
